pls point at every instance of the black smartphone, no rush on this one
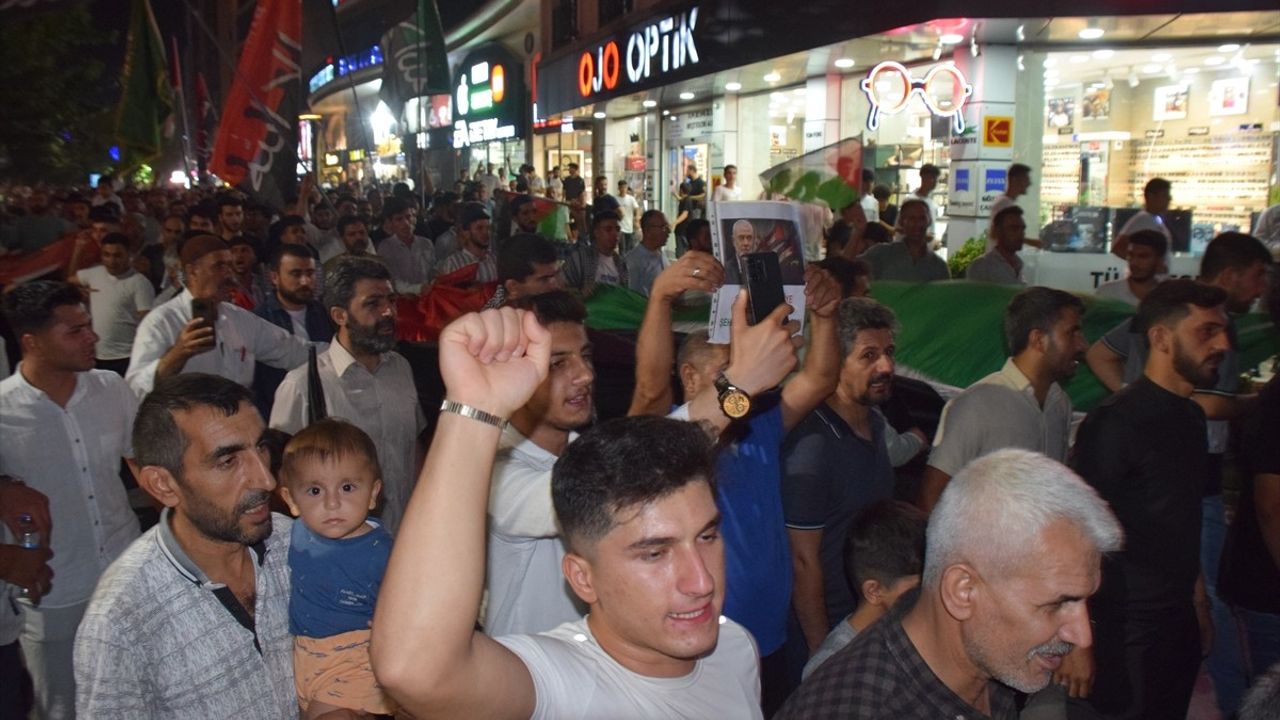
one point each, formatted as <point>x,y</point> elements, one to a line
<point>764,284</point>
<point>206,310</point>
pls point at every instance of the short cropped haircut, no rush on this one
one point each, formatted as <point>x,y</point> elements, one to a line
<point>694,346</point>
<point>393,206</point>
<point>157,440</point>
<point>601,216</point>
<point>206,210</point>
<point>912,200</point>
<point>1019,170</point>
<point>340,281</point>
<point>1155,185</point>
<point>347,221</point>
<point>857,314</point>
<point>868,176</point>
<point>553,307</point>
<point>845,271</point>
<point>729,167</point>
<point>29,307</point>
<point>517,256</point>
<point>292,249</point>
<point>1035,308</point>
<point>1153,239</point>
<point>880,192</point>
<point>326,441</point>
<point>1170,301</point>
<point>115,239</point>
<point>994,510</point>
<point>885,543</point>
<point>648,215</point>
<point>1006,212</point>
<point>229,200</point>
<point>1232,251</point>
<point>625,463</point>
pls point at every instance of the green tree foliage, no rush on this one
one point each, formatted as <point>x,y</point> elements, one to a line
<point>55,123</point>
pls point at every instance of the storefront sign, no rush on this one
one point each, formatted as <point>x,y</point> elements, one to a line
<point>343,66</point>
<point>488,97</point>
<point>652,50</point>
<point>997,131</point>
<point>355,155</point>
<point>944,90</point>
<point>1198,131</point>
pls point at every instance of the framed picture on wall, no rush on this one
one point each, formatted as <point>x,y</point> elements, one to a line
<point>1097,103</point>
<point>1170,103</point>
<point>1229,96</point>
<point>1060,112</point>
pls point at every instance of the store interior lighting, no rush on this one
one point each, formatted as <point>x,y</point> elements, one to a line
<point>1161,57</point>
<point>650,103</point>
<point>1213,60</point>
<point>1091,33</point>
<point>950,38</point>
<point>599,115</point>
<point>1133,78</point>
<point>733,86</point>
<point>844,63</point>
<point>686,95</point>
<point>1228,48</point>
<point>772,77</point>
<point>1103,54</point>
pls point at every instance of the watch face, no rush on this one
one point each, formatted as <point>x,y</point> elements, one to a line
<point>736,404</point>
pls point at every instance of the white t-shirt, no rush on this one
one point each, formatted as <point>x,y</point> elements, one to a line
<point>724,193</point>
<point>299,319</point>
<point>114,303</point>
<point>1146,221</point>
<point>574,678</point>
<point>1117,290</point>
<point>627,204</point>
<point>607,270</point>
<point>870,208</point>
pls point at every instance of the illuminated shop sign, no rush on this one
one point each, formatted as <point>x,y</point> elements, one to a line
<point>889,88</point>
<point>334,69</point>
<point>651,50</point>
<point>488,98</point>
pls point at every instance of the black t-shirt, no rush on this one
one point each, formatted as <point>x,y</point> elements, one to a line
<point>574,187</point>
<point>1249,576</point>
<point>1144,451</point>
<point>690,187</point>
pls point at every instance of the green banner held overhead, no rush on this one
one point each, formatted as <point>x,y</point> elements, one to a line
<point>952,332</point>
<point>832,175</point>
<point>146,97</point>
<point>414,60</point>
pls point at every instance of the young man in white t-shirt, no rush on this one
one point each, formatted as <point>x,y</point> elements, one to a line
<point>637,510</point>
<point>629,215</point>
<point>1156,198</point>
<point>118,298</point>
<point>1147,249</point>
<point>728,191</point>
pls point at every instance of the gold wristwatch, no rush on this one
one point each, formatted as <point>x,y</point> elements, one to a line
<point>734,402</point>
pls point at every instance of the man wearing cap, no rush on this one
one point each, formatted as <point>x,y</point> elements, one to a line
<point>171,340</point>
<point>473,236</point>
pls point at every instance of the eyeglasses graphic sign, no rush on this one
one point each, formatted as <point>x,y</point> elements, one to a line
<point>889,87</point>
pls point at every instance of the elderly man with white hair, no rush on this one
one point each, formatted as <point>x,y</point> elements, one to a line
<point>1014,551</point>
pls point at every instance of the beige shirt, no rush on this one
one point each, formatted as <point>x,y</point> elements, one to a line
<point>1000,411</point>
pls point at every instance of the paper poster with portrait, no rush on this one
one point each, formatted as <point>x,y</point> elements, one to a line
<point>1060,112</point>
<point>739,228</point>
<point>1170,102</point>
<point>1097,103</point>
<point>1229,96</point>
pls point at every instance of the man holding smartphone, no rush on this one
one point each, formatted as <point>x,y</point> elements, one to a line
<point>223,340</point>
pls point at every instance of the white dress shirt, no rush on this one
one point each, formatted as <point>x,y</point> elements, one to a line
<point>412,266</point>
<point>383,403</point>
<point>242,338</point>
<point>72,455</point>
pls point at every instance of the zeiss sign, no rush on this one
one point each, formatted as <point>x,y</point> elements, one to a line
<point>654,49</point>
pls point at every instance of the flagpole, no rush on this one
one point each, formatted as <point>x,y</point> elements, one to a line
<point>181,97</point>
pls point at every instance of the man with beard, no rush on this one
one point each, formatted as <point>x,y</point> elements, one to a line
<point>230,216</point>
<point>598,262</point>
<point>363,378</point>
<point>1022,405</point>
<point>193,619</point>
<point>223,340</point>
<point>1001,264</point>
<point>1012,552</point>
<point>1237,264</point>
<point>843,432</point>
<point>1144,450</point>
<point>63,424</point>
<point>524,213</point>
<point>353,231</point>
<point>293,307</point>
<point>473,245</point>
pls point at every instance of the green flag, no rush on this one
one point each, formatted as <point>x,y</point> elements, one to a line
<point>414,60</point>
<point>146,98</point>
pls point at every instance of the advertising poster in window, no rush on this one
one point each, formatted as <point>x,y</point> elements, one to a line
<point>1170,103</point>
<point>1097,103</point>
<point>742,228</point>
<point>1229,96</point>
<point>1060,112</point>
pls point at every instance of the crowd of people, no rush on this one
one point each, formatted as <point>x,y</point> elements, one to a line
<point>739,543</point>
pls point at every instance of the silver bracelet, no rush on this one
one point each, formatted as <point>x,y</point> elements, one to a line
<point>467,411</point>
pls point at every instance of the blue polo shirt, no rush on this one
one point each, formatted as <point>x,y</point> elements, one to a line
<point>757,555</point>
<point>334,583</point>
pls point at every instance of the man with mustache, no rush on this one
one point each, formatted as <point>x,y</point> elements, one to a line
<point>819,504</point>
<point>193,619</point>
<point>1012,553</point>
<point>1144,450</point>
<point>226,341</point>
<point>365,380</point>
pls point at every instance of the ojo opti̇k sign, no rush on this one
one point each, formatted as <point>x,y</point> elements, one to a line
<point>649,51</point>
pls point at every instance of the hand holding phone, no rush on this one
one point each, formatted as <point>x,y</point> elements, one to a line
<point>763,277</point>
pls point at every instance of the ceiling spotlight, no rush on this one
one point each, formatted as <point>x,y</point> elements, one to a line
<point>844,63</point>
<point>1228,48</point>
<point>1214,60</point>
<point>674,118</point>
<point>1151,69</point>
<point>666,112</point>
<point>686,95</point>
<point>1133,78</point>
<point>733,86</point>
<point>772,77</point>
<point>1021,65</point>
<point>1103,54</point>
<point>950,38</point>
<point>1021,33</point>
<point>1091,33</point>
<point>937,51</point>
<point>650,103</point>
<point>599,115</point>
